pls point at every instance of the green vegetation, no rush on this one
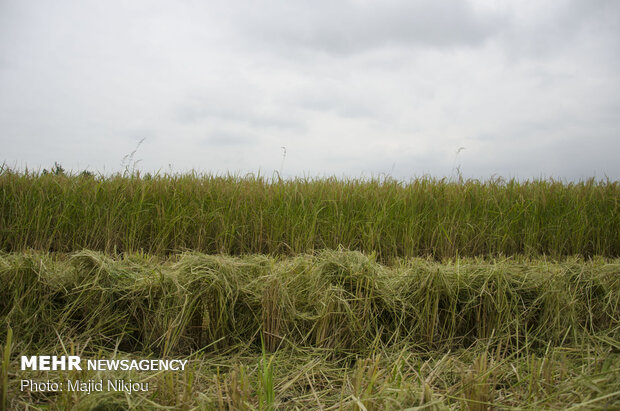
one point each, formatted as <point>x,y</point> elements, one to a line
<point>336,329</point>
<point>302,294</point>
<point>342,301</point>
<point>164,214</point>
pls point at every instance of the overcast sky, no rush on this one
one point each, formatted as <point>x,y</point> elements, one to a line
<point>351,88</point>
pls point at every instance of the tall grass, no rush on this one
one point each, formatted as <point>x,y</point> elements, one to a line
<point>163,214</point>
<point>4,375</point>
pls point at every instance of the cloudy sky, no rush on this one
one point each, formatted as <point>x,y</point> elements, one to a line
<point>350,88</point>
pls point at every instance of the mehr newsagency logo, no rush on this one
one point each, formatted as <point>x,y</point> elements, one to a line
<point>76,363</point>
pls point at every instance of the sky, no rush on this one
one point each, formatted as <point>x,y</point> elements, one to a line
<point>354,89</point>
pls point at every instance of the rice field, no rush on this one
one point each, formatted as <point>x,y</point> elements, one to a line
<point>165,214</point>
<point>313,294</point>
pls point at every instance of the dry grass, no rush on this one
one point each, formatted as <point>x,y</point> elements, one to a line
<point>329,331</point>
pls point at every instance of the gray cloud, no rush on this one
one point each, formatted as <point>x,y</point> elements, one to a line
<point>563,27</point>
<point>340,103</point>
<point>229,138</point>
<point>349,87</point>
<point>240,104</point>
<point>350,27</point>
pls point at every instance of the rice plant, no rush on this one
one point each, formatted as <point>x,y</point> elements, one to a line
<point>164,214</point>
<point>313,293</point>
